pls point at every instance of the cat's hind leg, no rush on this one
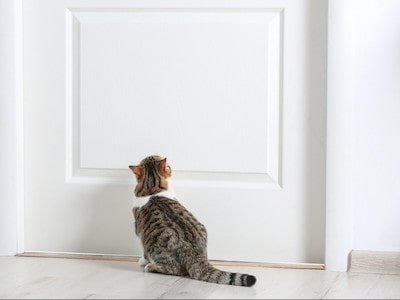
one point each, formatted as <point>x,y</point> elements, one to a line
<point>170,269</point>
<point>143,261</point>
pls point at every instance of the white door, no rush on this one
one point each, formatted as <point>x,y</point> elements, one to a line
<point>232,93</point>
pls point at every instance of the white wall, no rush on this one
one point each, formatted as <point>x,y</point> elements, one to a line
<point>363,168</point>
<point>377,127</point>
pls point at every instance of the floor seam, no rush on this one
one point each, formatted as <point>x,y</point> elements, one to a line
<point>170,288</point>
<point>331,286</point>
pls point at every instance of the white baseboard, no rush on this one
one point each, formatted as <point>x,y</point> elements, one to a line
<point>375,262</point>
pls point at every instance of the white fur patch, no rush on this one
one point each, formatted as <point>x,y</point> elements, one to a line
<point>146,268</point>
<point>142,261</point>
<point>141,201</point>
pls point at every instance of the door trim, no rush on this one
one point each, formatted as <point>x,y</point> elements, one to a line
<point>12,174</point>
<point>339,216</point>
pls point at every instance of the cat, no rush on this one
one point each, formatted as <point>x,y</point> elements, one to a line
<point>174,241</point>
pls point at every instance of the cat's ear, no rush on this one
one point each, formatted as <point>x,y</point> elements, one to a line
<point>162,167</point>
<point>137,170</point>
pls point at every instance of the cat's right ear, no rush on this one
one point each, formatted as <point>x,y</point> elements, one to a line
<point>137,170</point>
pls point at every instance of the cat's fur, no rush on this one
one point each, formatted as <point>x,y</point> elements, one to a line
<point>173,241</point>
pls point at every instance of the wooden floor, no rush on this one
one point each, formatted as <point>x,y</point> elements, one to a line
<point>29,277</point>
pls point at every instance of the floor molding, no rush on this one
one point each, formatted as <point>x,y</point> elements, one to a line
<point>136,258</point>
<point>375,262</point>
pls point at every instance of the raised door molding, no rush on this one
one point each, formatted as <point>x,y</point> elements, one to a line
<point>180,72</point>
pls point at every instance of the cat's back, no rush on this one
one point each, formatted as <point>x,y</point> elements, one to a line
<point>163,216</point>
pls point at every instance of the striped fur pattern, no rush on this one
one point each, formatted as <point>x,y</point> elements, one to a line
<point>174,241</point>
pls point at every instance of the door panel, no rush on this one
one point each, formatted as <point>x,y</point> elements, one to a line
<point>233,94</point>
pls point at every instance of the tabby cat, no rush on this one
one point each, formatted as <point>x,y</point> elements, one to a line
<point>173,241</point>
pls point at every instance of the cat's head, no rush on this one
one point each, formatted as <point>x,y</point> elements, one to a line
<point>151,175</point>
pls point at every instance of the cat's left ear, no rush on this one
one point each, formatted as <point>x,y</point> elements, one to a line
<point>162,167</point>
<point>137,170</point>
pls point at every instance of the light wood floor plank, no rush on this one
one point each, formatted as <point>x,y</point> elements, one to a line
<point>55,278</point>
<point>365,286</point>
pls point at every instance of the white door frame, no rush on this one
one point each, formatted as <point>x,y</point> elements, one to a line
<point>339,211</point>
<point>11,128</point>
<point>340,134</point>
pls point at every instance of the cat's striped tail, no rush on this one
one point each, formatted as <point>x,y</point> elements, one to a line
<point>204,271</point>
